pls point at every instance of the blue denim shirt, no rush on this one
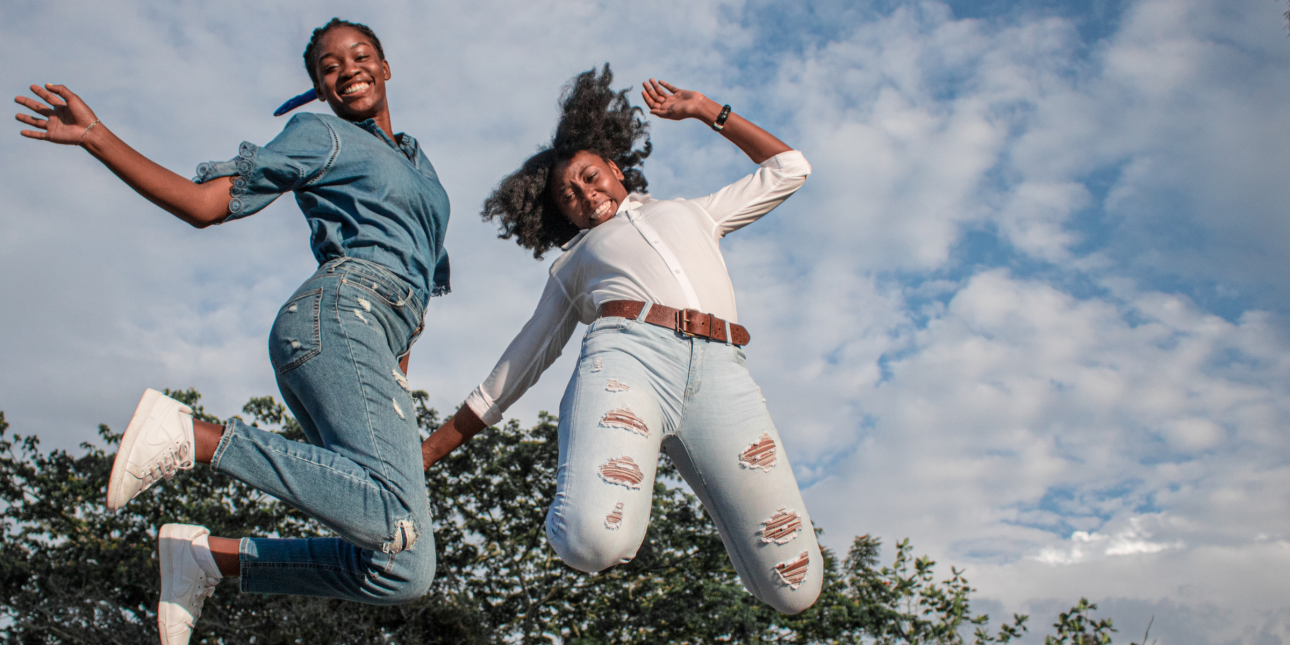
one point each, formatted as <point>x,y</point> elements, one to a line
<point>365,195</point>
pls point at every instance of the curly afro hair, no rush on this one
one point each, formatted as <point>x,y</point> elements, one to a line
<point>593,118</point>
<point>311,51</point>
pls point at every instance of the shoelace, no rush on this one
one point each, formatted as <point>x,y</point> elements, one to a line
<point>167,464</point>
<point>205,589</point>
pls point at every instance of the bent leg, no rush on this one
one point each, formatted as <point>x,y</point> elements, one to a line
<point>335,345</point>
<point>729,451</point>
<point>611,425</point>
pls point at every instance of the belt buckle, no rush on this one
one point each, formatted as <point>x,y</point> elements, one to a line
<point>683,321</point>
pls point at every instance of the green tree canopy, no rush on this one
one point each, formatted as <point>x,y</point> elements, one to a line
<point>73,572</point>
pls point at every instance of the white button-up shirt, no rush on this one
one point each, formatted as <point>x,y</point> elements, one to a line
<point>660,251</point>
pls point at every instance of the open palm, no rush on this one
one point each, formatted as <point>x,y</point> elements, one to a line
<point>670,102</point>
<point>66,115</point>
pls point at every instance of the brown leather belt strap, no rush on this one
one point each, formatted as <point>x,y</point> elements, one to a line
<point>691,322</point>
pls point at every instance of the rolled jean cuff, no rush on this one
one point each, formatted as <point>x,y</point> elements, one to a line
<point>229,427</point>
<point>242,545</point>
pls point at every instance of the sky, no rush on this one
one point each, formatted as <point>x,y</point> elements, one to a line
<point>1029,311</point>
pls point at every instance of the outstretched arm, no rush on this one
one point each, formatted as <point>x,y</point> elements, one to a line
<point>69,121</point>
<point>669,102</point>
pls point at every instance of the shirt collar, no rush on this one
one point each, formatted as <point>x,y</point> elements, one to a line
<point>404,143</point>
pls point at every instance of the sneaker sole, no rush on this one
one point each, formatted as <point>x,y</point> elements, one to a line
<point>150,404</point>
<point>167,558</point>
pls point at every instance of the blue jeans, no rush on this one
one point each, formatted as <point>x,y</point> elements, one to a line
<point>639,388</point>
<point>335,346</point>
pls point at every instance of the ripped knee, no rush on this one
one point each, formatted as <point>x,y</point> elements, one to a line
<point>405,535</point>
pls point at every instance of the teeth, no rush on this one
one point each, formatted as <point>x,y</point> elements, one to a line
<point>602,209</point>
<point>358,87</point>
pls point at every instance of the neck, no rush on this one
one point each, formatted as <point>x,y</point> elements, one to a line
<point>382,119</point>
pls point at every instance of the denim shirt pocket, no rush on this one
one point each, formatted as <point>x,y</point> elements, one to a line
<point>296,335</point>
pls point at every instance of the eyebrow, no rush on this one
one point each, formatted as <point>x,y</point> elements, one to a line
<point>355,44</point>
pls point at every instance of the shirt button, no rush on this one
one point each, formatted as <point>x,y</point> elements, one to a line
<point>678,272</point>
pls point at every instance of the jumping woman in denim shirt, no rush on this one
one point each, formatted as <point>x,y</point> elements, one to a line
<point>662,363</point>
<point>378,215</point>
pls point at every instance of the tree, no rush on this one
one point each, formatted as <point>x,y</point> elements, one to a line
<point>73,572</point>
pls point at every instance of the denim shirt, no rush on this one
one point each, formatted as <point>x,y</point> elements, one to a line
<point>363,194</point>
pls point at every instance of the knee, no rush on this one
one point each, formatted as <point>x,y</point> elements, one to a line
<point>790,601</point>
<point>792,595</point>
<point>407,577</point>
<point>591,548</point>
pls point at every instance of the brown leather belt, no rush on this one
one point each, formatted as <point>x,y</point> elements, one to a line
<point>690,322</point>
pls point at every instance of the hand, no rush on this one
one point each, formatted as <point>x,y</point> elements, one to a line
<point>669,102</point>
<point>66,115</point>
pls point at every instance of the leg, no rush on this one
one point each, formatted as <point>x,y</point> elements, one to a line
<point>335,346</point>
<point>612,420</point>
<point>729,452</point>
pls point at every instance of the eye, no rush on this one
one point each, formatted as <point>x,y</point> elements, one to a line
<point>361,57</point>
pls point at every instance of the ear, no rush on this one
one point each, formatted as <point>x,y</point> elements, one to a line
<point>386,66</point>
<point>618,174</point>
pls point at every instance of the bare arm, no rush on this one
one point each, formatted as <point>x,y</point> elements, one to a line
<point>669,102</point>
<point>454,432</point>
<point>69,121</point>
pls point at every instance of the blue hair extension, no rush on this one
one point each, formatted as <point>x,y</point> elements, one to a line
<point>296,102</point>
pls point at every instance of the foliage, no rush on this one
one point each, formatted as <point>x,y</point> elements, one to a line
<point>1076,627</point>
<point>72,572</point>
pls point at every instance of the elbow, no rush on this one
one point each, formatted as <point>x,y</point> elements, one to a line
<point>199,222</point>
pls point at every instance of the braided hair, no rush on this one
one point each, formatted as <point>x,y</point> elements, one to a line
<point>593,118</point>
<point>311,52</point>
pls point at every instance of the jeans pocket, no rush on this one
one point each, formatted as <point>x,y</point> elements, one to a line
<point>296,336</point>
<point>380,283</point>
<point>608,325</point>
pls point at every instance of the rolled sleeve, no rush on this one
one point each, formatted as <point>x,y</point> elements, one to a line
<point>748,199</point>
<point>260,174</point>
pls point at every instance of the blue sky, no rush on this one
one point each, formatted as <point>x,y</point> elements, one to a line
<point>1029,310</point>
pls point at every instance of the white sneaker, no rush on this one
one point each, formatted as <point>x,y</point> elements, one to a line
<point>157,444</point>
<point>188,578</point>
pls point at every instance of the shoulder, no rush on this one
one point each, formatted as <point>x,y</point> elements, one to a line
<point>308,133</point>
<point>307,121</point>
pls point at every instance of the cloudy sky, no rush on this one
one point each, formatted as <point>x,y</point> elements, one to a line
<point>1029,311</point>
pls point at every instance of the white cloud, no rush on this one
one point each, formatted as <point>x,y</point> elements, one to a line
<point>1069,418</point>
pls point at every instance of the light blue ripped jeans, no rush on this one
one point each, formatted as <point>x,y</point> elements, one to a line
<point>335,346</point>
<point>639,388</point>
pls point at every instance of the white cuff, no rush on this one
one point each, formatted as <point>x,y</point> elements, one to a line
<point>487,412</point>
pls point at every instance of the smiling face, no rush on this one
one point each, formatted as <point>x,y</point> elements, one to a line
<point>351,74</point>
<point>588,189</point>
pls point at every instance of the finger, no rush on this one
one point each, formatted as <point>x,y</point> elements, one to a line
<point>34,105</point>
<point>669,86</point>
<point>61,90</point>
<point>650,92</point>
<point>658,88</point>
<point>31,120</point>
<point>49,97</point>
<point>35,134</point>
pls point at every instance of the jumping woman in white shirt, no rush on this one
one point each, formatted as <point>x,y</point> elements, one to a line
<point>662,362</point>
